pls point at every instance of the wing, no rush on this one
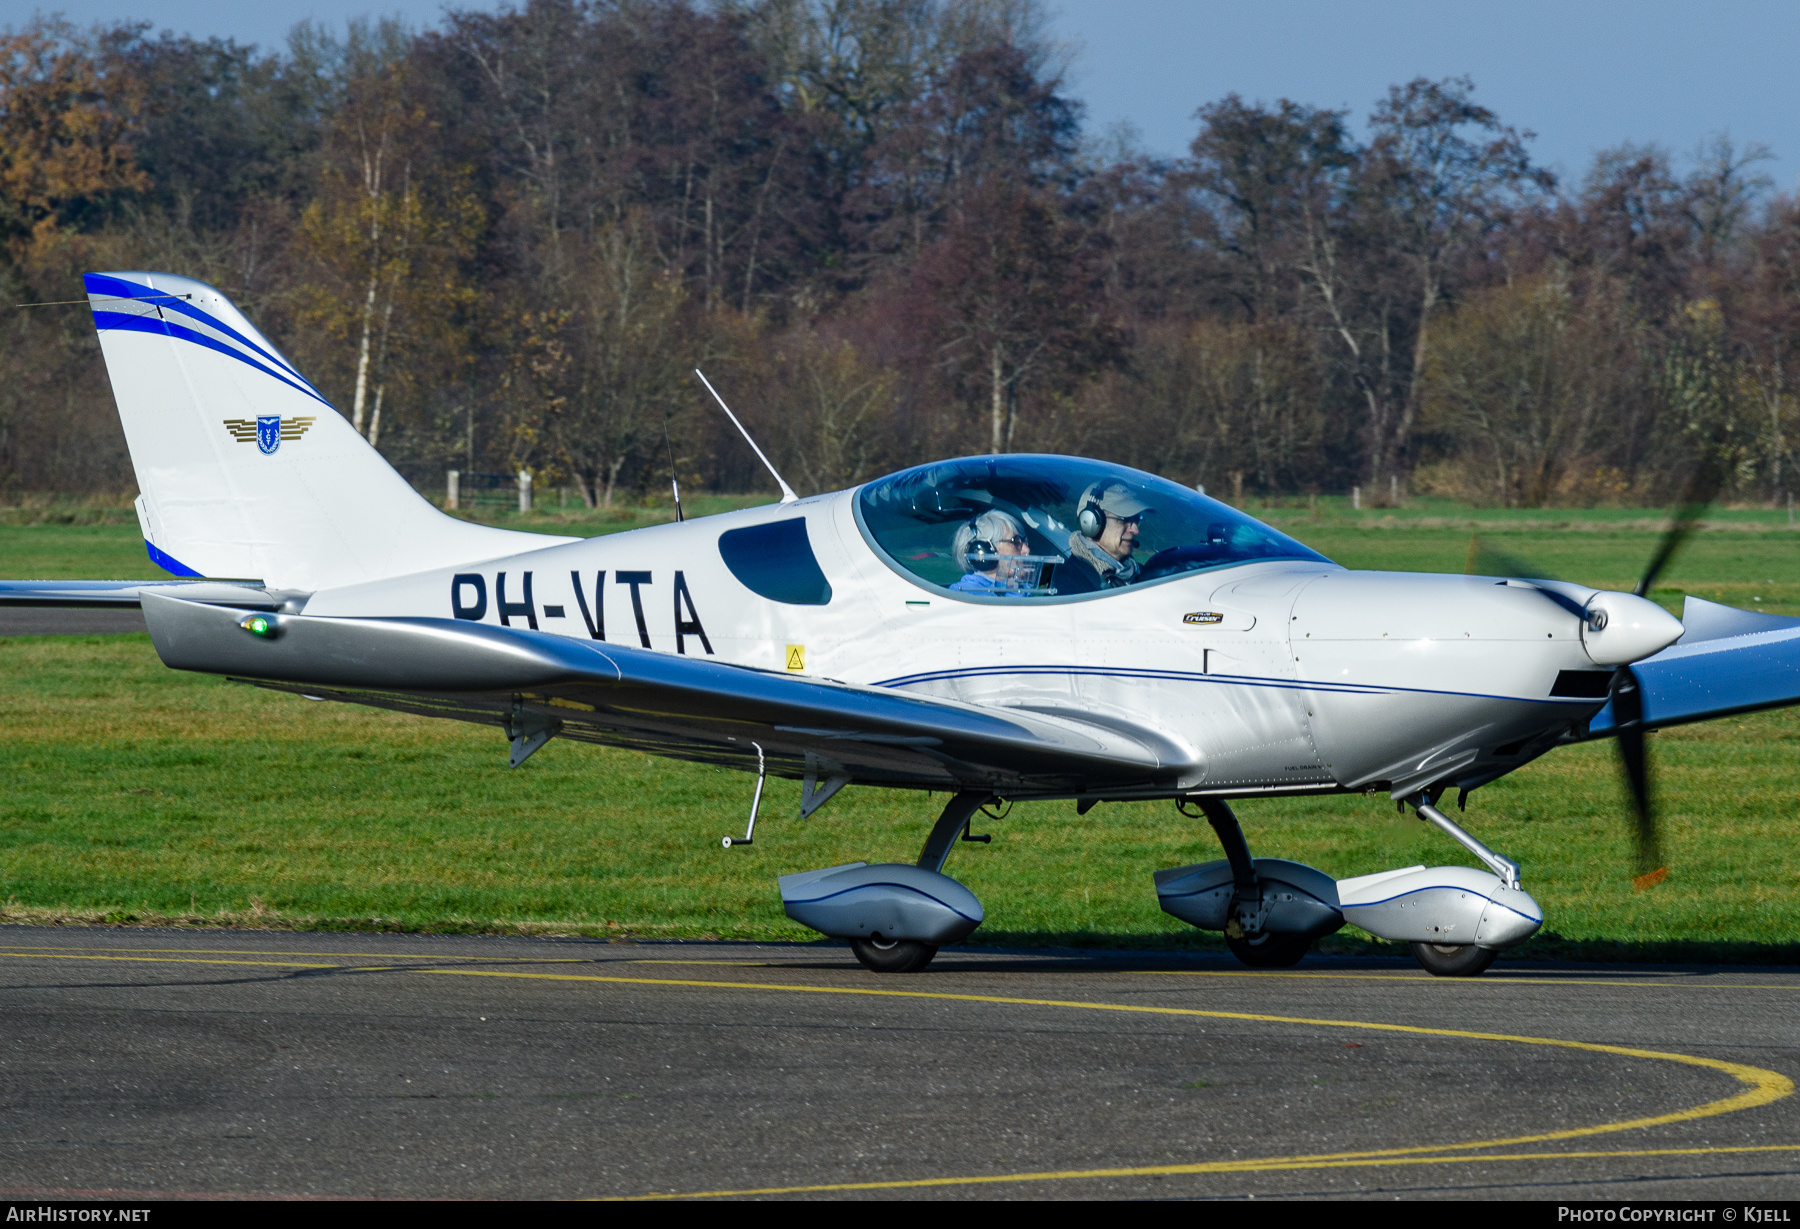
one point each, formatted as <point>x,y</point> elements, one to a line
<point>683,707</point>
<point>1704,620</point>
<point>1730,661</point>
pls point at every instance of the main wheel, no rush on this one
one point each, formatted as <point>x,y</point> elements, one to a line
<point>892,955</point>
<point>1266,951</point>
<point>1454,960</point>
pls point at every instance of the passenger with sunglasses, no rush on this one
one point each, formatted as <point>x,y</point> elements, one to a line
<point>981,547</point>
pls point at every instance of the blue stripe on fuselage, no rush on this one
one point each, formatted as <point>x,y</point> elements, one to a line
<point>1241,680</point>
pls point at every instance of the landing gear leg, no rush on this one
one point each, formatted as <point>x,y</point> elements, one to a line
<point>1244,934</point>
<point>883,955</point>
<point>1462,959</point>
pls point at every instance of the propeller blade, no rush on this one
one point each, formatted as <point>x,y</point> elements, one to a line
<point>1486,560</point>
<point>1702,487</point>
<point>1628,714</point>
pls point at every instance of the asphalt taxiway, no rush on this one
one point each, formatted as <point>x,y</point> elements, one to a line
<point>164,1062</point>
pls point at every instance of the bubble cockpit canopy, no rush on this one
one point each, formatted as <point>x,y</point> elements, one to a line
<point>1026,526</point>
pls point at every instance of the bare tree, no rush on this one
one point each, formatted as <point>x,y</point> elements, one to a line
<point>1441,172</point>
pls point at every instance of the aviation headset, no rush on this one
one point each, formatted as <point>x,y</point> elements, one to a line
<point>978,547</point>
<point>1091,520</point>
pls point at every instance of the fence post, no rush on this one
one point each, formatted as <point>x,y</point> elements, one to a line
<point>452,489</point>
<point>524,490</point>
<point>1356,498</point>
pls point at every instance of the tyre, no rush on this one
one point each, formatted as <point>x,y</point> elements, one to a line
<point>892,955</point>
<point>1446,960</point>
<point>1267,951</point>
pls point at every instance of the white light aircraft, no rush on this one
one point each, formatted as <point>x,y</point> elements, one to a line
<point>999,628</point>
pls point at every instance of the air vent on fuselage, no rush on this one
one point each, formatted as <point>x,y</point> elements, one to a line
<point>1582,684</point>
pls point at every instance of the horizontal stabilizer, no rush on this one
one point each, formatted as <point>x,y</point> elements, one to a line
<point>127,594</point>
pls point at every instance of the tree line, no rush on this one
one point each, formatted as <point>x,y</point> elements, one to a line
<point>881,228</point>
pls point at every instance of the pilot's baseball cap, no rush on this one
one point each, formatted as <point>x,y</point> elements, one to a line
<point>1115,499</point>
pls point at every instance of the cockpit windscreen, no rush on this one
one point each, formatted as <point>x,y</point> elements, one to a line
<point>1025,526</point>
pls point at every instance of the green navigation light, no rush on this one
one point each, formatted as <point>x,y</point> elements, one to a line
<point>257,625</point>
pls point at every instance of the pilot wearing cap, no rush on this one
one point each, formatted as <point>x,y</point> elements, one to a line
<point>1107,520</point>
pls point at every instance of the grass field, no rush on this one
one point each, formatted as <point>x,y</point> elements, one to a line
<point>138,792</point>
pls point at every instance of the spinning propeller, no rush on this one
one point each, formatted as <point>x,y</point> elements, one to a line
<point>1625,691</point>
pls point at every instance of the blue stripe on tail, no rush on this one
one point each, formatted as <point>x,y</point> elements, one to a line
<point>168,563</point>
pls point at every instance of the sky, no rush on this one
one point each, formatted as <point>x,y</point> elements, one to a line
<point>1584,75</point>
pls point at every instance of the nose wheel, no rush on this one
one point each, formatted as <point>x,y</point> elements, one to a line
<point>1453,960</point>
<point>881,955</point>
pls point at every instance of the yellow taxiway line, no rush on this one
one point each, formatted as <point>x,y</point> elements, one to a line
<point>1761,1086</point>
<point>1265,1165</point>
<point>1683,982</point>
<point>1692,981</point>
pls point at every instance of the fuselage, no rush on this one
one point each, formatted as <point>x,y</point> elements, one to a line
<point>1271,676</point>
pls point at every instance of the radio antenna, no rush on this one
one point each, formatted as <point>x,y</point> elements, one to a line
<point>674,480</point>
<point>787,492</point>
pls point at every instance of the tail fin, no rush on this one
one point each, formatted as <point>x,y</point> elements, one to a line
<point>245,469</point>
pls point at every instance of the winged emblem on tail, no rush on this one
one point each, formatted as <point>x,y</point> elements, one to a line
<point>267,431</point>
